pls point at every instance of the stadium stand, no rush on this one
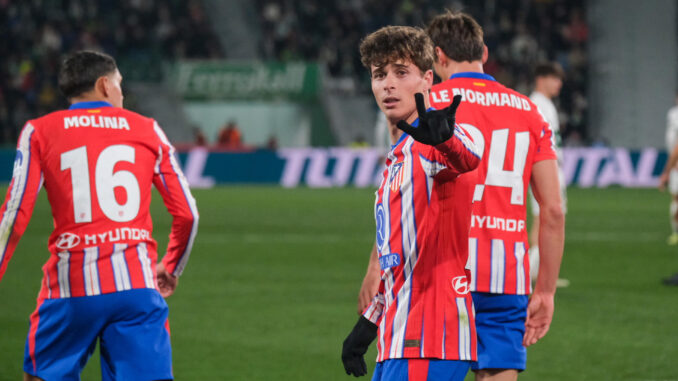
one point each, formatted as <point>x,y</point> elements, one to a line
<point>143,34</point>
<point>139,33</point>
<point>519,34</point>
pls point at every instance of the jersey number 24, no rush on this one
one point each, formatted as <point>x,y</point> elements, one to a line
<point>496,174</point>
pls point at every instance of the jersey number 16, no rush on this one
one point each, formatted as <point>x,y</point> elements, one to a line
<point>105,181</point>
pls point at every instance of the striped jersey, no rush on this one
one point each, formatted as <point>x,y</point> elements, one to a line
<point>512,135</point>
<point>97,164</point>
<point>423,308</point>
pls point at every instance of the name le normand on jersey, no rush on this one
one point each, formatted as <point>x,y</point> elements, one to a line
<point>96,121</point>
<point>482,98</point>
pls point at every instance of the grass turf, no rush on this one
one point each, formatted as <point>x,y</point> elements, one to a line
<point>270,290</point>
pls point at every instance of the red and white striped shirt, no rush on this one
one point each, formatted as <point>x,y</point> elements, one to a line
<point>97,164</point>
<point>512,135</point>
<point>423,308</point>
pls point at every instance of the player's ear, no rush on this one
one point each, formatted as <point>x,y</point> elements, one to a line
<point>486,53</point>
<point>428,78</point>
<point>441,57</point>
<point>101,86</point>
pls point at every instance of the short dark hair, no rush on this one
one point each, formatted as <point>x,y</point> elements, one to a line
<point>393,43</point>
<point>80,71</point>
<point>458,35</point>
<point>546,69</point>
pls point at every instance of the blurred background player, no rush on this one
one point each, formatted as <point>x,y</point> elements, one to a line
<point>548,80</point>
<point>422,313</point>
<point>517,149</point>
<point>669,177</point>
<point>97,162</point>
<point>671,141</point>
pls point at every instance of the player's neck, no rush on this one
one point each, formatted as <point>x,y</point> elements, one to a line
<point>91,96</point>
<point>462,67</point>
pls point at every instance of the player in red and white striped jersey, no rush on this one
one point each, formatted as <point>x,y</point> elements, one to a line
<point>423,309</point>
<point>517,150</point>
<point>98,163</point>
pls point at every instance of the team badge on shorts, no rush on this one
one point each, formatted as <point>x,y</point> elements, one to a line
<point>396,176</point>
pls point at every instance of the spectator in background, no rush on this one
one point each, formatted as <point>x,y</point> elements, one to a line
<point>230,136</point>
<point>669,177</point>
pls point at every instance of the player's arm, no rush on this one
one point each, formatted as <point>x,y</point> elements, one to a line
<point>370,284</point>
<point>21,194</point>
<point>173,187</point>
<point>437,128</point>
<point>546,188</point>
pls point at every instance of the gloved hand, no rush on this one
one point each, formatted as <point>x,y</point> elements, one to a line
<point>436,126</point>
<point>356,345</point>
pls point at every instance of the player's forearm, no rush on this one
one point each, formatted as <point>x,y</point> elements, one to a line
<point>551,244</point>
<point>373,263</point>
<point>460,152</point>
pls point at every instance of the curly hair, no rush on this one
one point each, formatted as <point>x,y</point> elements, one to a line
<point>392,43</point>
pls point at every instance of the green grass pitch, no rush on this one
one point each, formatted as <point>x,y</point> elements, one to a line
<point>270,290</point>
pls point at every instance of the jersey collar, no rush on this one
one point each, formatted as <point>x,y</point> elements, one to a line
<point>93,104</point>
<point>473,74</point>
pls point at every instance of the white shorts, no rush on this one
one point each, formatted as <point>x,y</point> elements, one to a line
<point>673,182</point>
<point>563,193</point>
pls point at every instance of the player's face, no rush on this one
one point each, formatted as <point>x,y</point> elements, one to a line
<point>394,86</point>
<point>553,84</point>
<point>113,88</point>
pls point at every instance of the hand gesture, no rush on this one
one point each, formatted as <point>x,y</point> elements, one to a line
<point>539,315</point>
<point>436,126</point>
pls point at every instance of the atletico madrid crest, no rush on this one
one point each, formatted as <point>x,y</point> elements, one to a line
<point>396,176</point>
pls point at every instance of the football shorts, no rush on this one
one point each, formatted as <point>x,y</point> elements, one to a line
<point>500,326</point>
<point>421,370</point>
<point>673,182</point>
<point>132,328</point>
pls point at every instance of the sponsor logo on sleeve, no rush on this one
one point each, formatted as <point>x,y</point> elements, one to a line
<point>460,285</point>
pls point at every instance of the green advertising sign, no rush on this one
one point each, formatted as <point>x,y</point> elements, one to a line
<point>201,80</point>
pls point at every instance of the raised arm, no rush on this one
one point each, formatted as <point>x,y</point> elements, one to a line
<point>437,128</point>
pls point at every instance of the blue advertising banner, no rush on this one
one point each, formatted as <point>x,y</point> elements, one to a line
<point>338,167</point>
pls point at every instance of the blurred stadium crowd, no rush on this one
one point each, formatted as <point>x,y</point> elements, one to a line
<point>138,33</point>
<point>519,34</point>
<point>142,34</point>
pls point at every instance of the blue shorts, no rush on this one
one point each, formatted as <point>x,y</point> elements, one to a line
<point>421,370</point>
<point>132,327</point>
<point>500,325</point>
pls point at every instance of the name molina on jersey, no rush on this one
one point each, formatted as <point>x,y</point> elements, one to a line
<point>96,121</point>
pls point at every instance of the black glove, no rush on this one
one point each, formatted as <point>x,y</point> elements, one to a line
<point>436,126</point>
<point>356,345</point>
